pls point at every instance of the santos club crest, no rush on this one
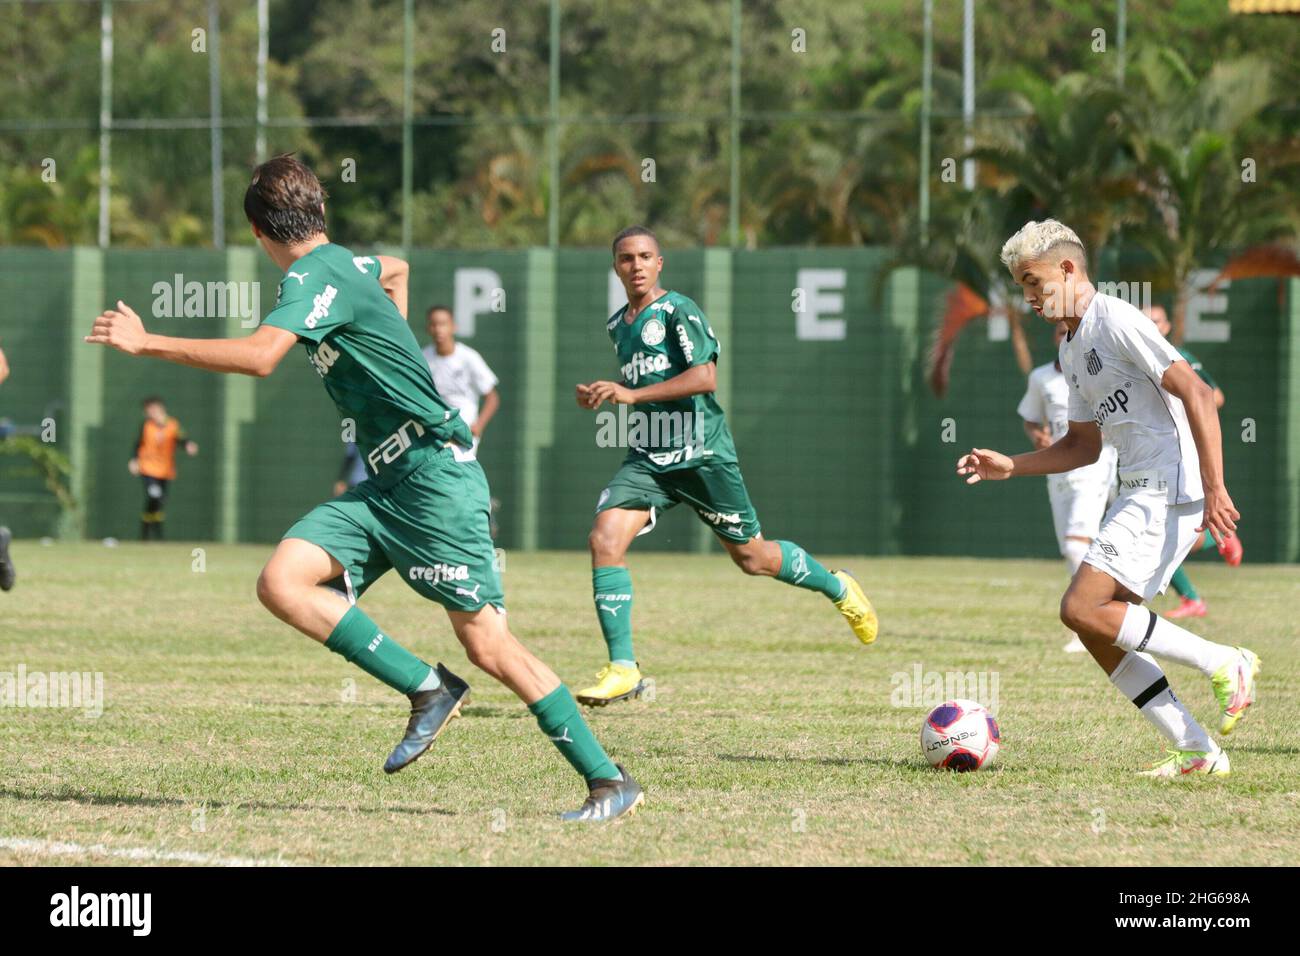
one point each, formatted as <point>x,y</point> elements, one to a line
<point>653,332</point>
<point>1093,361</point>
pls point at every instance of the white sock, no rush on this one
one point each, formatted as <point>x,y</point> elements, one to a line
<point>1074,553</point>
<point>1144,630</point>
<point>1139,678</point>
<point>431,680</point>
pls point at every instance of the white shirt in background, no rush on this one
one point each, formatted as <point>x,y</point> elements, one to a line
<point>462,378</point>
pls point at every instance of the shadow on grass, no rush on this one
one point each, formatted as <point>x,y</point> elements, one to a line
<point>138,800</point>
<point>897,763</point>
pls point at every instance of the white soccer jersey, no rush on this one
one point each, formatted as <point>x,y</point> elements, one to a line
<point>1114,362</point>
<point>462,378</point>
<point>1047,402</point>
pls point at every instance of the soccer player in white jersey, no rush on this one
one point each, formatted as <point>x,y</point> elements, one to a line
<point>459,373</point>
<point>1132,387</point>
<point>1078,497</point>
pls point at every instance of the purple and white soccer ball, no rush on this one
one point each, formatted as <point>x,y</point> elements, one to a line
<point>960,735</point>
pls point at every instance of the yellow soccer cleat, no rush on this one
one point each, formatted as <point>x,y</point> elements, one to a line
<point>1234,688</point>
<point>857,610</point>
<point>1186,763</point>
<point>613,682</point>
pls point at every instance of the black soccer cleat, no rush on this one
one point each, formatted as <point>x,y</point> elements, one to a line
<point>608,800</point>
<point>7,573</point>
<point>431,711</point>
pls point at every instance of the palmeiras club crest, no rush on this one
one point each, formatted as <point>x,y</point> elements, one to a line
<point>1093,361</point>
<point>653,332</point>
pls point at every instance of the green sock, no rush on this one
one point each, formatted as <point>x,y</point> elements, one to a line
<point>801,569</point>
<point>358,640</point>
<point>557,715</point>
<point>1183,585</point>
<point>611,589</point>
<point>1209,542</point>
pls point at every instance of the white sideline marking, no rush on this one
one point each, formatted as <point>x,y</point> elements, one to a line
<point>138,853</point>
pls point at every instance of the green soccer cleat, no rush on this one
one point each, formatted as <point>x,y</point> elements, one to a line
<point>1185,763</point>
<point>1234,688</point>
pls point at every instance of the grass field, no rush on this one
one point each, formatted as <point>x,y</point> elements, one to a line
<point>773,736</point>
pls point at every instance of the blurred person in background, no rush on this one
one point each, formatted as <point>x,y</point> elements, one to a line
<point>459,373</point>
<point>153,459</point>
<point>352,471</point>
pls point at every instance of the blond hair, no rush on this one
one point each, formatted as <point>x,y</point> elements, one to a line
<point>1036,240</point>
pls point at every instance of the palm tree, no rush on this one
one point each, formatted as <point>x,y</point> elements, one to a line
<point>1199,200</point>
<point>1066,159</point>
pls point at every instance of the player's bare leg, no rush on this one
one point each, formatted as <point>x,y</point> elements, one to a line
<point>1076,547</point>
<point>494,650</point>
<point>611,535</point>
<point>1103,613</point>
<point>791,564</point>
<point>292,587</point>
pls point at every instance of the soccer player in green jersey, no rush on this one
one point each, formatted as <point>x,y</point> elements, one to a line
<point>680,450</point>
<point>1190,603</point>
<point>424,507</point>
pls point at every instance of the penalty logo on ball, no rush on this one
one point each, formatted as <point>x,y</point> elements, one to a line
<point>960,735</point>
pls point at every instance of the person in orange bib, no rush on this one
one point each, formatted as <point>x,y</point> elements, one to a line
<point>154,460</point>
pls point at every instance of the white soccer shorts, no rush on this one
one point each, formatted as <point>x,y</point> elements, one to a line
<point>1143,540</point>
<point>1077,507</point>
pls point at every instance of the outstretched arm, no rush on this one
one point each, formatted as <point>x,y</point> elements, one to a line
<point>4,366</point>
<point>1079,446</point>
<point>1198,399</point>
<point>257,354</point>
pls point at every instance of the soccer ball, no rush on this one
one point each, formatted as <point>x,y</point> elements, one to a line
<point>960,735</point>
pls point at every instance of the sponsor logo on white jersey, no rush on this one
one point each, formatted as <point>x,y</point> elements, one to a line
<point>392,447</point>
<point>437,573</point>
<point>643,364</point>
<point>1116,400</point>
<point>320,306</point>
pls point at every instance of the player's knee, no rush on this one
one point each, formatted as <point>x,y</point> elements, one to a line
<point>603,545</point>
<point>1075,611</point>
<point>273,588</point>
<point>485,651</point>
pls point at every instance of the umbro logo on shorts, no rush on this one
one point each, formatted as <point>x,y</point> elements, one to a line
<point>1093,361</point>
<point>1109,549</point>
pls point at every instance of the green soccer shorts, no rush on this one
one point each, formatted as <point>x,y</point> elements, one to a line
<point>432,527</point>
<point>715,490</point>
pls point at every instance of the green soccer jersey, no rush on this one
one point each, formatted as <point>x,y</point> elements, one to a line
<point>1198,368</point>
<point>669,336</point>
<point>366,355</point>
